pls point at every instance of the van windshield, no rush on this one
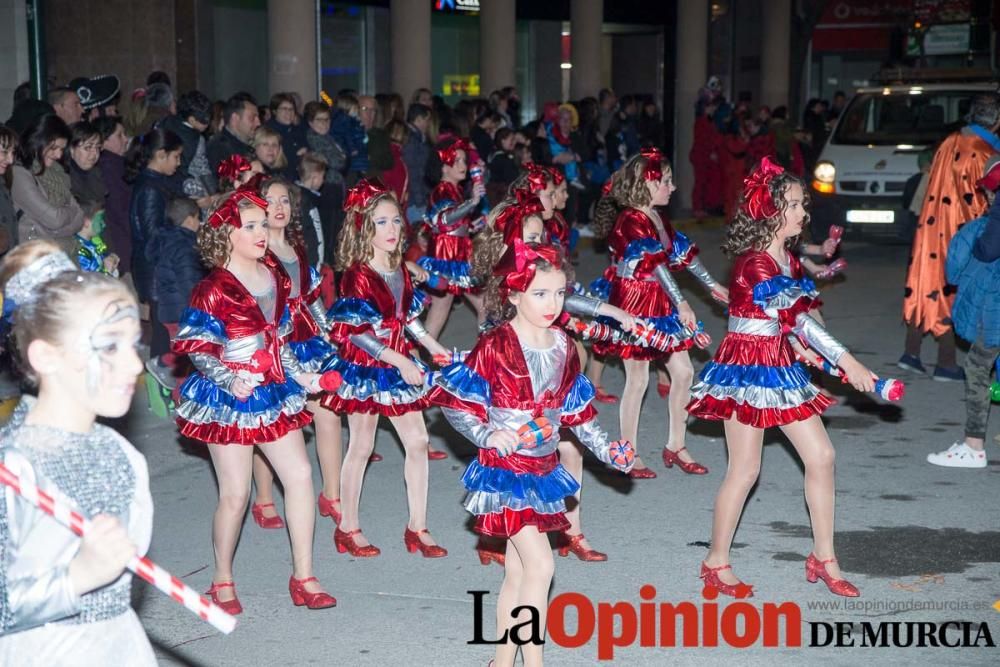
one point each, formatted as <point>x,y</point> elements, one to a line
<point>902,117</point>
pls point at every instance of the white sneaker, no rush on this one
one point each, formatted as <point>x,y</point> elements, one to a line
<point>959,455</point>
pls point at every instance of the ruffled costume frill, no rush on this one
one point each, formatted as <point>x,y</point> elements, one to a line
<point>754,374</point>
<point>225,322</point>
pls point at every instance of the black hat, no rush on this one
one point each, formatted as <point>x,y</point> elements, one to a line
<point>97,91</point>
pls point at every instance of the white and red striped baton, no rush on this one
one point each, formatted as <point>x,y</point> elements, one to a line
<point>142,566</point>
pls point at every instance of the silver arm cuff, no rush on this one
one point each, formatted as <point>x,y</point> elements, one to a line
<point>819,338</point>
<point>468,425</point>
<point>416,329</point>
<point>699,271</point>
<point>213,368</point>
<point>369,344</point>
<point>669,285</point>
<point>594,438</point>
<point>290,361</point>
<point>577,304</point>
<point>460,211</point>
<point>319,316</point>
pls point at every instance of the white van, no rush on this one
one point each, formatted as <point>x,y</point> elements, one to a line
<point>872,151</point>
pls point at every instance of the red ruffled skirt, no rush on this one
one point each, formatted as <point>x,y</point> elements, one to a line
<point>644,299</point>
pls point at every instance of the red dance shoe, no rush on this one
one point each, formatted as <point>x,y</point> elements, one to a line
<point>375,457</point>
<point>602,396</point>
<point>326,508</point>
<point>231,607</point>
<point>412,541</point>
<point>436,454</point>
<point>265,521</point>
<point>642,473</point>
<point>571,543</point>
<point>300,596</point>
<point>670,457</point>
<point>345,543</point>
<point>710,575</point>
<point>663,389</point>
<point>488,554</point>
<point>816,569</point>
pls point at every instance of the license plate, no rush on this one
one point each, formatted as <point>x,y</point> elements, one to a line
<point>872,217</point>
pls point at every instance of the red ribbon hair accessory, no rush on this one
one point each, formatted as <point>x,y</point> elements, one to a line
<point>557,175</point>
<point>228,212</point>
<point>231,168</point>
<point>758,203</point>
<point>510,222</point>
<point>449,154</point>
<point>519,264</point>
<point>654,164</point>
<point>361,196</point>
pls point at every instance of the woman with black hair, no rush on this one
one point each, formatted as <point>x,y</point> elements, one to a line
<point>41,187</point>
<point>80,161</point>
<point>149,165</point>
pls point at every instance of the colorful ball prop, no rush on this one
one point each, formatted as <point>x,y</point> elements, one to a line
<point>836,233</point>
<point>534,433</point>
<point>436,282</point>
<point>261,361</point>
<point>622,454</point>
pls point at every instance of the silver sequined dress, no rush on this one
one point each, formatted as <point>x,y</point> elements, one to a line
<point>42,621</point>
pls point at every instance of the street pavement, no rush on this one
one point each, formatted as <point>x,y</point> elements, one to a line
<point>908,533</point>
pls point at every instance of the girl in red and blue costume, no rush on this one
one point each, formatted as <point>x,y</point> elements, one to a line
<point>308,341</point>
<point>452,219</point>
<point>249,390</point>
<point>645,250</point>
<point>754,383</point>
<point>377,309</point>
<point>523,370</point>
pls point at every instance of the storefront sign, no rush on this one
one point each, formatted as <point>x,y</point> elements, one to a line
<point>456,5</point>
<point>464,85</point>
<point>940,40</point>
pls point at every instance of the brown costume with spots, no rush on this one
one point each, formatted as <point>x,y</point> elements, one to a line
<point>952,200</point>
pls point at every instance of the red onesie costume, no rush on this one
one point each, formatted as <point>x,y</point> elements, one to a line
<point>754,374</point>
<point>637,248</point>
<point>381,306</point>
<point>225,333</point>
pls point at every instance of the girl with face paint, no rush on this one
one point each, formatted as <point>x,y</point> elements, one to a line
<point>523,371</point>
<point>372,323</point>
<point>646,250</point>
<point>62,596</point>
<point>249,389</point>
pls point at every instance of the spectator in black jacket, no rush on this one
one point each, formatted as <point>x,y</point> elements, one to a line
<point>503,168</point>
<point>416,152</point>
<point>194,113</point>
<point>241,119</point>
<point>149,165</point>
<point>285,121</point>
<point>319,227</point>
<point>178,269</point>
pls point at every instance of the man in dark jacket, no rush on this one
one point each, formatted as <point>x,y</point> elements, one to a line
<point>194,112</point>
<point>416,152</point>
<point>242,119</point>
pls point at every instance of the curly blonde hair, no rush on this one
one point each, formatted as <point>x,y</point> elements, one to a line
<point>628,190</point>
<point>745,233</point>
<point>293,231</point>
<point>213,243</point>
<point>355,245</point>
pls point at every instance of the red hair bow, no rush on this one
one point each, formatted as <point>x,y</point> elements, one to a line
<point>758,203</point>
<point>449,154</point>
<point>254,183</point>
<point>510,222</point>
<point>557,175</point>
<point>231,168</point>
<point>520,262</point>
<point>228,213</point>
<point>538,179</point>
<point>608,184</point>
<point>654,164</point>
<point>361,195</point>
